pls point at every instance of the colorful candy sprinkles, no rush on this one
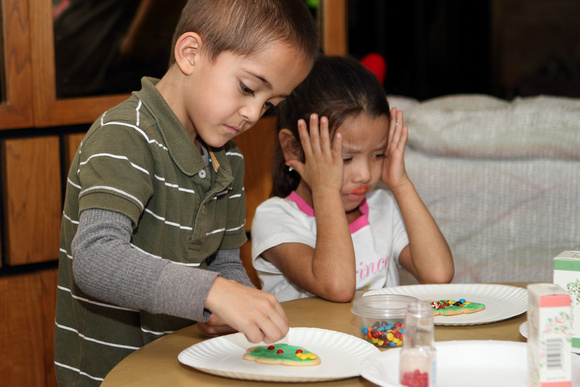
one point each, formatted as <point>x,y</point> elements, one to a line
<point>384,334</point>
<point>454,307</point>
<point>442,304</point>
<point>283,351</point>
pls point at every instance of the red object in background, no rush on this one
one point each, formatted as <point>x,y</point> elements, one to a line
<point>376,64</point>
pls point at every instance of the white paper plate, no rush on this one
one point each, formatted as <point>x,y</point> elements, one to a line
<point>501,301</point>
<point>524,329</point>
<point>341,357</point>
<point>466,363</point>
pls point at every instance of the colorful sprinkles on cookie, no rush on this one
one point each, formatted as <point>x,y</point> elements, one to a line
<point>452,307</point>
<point>284,354</point>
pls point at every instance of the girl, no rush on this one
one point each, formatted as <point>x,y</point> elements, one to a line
<point>332,227</point>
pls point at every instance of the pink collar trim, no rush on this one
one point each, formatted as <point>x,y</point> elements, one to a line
<point>361,222</point>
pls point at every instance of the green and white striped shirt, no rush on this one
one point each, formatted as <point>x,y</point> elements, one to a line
<point>138,160</point>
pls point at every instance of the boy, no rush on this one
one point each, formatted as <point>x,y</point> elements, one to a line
<point>155,192</point>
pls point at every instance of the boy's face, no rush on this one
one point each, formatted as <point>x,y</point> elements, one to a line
<point>364,141</point>
<point>228,96</point>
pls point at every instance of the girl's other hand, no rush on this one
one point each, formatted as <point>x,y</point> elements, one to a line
<point>323,163</point>
<point>394,173</point>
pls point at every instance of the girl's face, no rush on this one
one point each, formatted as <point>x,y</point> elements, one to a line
<point>364,141</point>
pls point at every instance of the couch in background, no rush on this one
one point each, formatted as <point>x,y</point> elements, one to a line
<point>501,178</point>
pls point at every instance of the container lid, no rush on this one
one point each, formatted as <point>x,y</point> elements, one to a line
<point>382,306</point>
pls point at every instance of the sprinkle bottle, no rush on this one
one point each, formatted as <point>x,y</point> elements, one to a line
<point>418,362</point>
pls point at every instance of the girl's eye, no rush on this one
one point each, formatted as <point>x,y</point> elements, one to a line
<point>379,156</point>
<point>347,160</point>
<point>246,89</point>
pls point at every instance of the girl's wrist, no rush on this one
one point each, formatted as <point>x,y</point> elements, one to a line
<point>326,195</point>
<point>403,188</point>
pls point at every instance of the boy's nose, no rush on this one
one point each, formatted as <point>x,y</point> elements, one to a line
<point>252,112</point>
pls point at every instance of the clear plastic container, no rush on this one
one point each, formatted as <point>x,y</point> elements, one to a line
<point>382,318</point>
<point>418,362</point>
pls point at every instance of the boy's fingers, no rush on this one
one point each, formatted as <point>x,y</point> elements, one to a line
<point>254,335</point>
<point>274,329</point>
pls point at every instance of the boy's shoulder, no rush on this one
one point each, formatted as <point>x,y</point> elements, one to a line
<point>144,103</point>
<point>124,111</point>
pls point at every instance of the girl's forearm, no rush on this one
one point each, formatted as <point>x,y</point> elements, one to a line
<point>333,263</point>
<point>431,259</point>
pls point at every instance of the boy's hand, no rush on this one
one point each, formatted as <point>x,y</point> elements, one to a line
<point>214,327</point>
<point>323,163</point>
<point>394,173</point>
<point>255,313</point>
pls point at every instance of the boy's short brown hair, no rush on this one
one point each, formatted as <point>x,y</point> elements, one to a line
<point>246,26</point>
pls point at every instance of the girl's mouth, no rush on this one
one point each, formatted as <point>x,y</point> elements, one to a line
<point>362,190</point>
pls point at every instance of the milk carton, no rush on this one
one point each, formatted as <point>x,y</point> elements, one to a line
<point>567,275</point>
<point>549,348</point>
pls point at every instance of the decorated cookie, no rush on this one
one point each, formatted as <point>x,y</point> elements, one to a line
<point>283,354</point>
<point>452,308</point>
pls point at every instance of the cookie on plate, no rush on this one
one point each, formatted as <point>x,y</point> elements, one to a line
<point>283,354</point>
<point>453,308</point>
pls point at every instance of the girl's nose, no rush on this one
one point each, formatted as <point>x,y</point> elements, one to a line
<point>363,172</point>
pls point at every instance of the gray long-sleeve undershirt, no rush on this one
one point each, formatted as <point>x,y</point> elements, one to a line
<point>106,267</point>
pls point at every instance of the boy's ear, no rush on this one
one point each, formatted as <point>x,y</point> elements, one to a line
<point>187,49</point>
<point>290,145</point>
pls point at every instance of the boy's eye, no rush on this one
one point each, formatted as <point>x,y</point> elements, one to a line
<point>246,89</point>
<point>346,159</point>
<point>269,109</point>
<point>379,156</point>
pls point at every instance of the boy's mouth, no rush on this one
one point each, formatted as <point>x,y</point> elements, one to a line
<point>233,129</point>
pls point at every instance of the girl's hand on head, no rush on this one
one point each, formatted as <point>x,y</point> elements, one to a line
<point>394,173</point>
<point>323,165</point>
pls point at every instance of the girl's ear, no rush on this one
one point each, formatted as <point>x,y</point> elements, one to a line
<point>187,51</point>
<point>291,147</point>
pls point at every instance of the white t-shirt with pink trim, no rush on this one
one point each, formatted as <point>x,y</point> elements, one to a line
<point>379,236</point>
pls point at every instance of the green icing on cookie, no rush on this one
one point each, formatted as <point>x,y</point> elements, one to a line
<point>287,352</point>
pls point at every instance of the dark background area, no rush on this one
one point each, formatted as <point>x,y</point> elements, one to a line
<point>504,48</point>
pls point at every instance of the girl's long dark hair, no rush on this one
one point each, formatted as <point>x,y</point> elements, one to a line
<point>338,88</point>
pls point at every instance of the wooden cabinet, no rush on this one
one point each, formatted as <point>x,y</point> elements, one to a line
<point>32,188</point>
<point>16,110</point>
<point>49,110</point>
<point>27,307</point>
<point>29,90</point>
